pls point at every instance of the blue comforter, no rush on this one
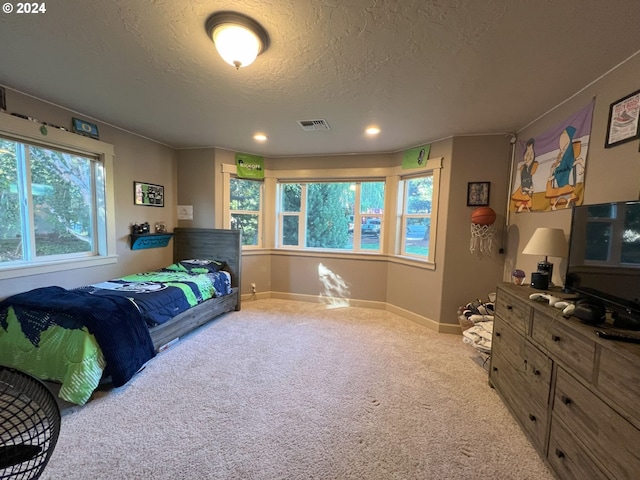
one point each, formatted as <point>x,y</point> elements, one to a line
<point>162,294</point>
<point>115,321</point>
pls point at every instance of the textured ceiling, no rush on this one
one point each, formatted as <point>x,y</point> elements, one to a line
<point>420,70</point>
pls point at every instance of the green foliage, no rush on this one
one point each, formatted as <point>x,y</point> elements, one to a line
<point>290,231</point>
<point>245,197</point>
<point>291,197</point>
<point>60,186</point>
<point>291,201</point>
<point>419,195</point>
<point>371,197</point>
<point>61,190</point>
<point>9,202</point>
<point>245,194</point>
<point>327,222</point>
<point>329,210</point>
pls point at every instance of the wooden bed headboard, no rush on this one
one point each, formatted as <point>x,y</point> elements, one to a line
<point>210,243</point>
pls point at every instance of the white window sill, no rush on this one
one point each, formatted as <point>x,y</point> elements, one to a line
<point>24,270</point>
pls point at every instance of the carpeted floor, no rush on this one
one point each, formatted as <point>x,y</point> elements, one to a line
<point>292,390</point>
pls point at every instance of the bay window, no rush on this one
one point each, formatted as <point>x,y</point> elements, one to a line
<point>344,216</point>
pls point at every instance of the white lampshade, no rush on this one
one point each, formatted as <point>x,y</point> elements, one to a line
<point>550,242</point>
<point>238,38</point>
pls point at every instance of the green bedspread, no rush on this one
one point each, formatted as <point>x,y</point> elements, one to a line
<point>78,364</point>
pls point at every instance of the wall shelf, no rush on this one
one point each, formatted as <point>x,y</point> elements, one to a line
<point>142,241</point>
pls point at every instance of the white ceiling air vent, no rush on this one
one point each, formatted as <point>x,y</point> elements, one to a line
<point>313,125</point>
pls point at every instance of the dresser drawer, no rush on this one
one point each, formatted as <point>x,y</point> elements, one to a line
<point>568,458</point>
<point>514,311</point>
<point>563,344</point>
<point>604,432</point>
<point>507,341</point>
<point>530,414</point>
<point>619,377</point>
<point>532,367</point>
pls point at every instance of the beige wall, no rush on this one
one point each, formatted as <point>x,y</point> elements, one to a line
<point>419,290</point>
<point>613,174</point>
<point>432,295</point>
<point>333,162</point>
<point>338,277</point>
<point>135,159</point>
<point>459,275</point>
<point>256,268</point>
<point>196,176</point>
<point>467,275</point>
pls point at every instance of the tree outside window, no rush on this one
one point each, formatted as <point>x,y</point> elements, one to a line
<point>322,215</point>
<point>49,202</point>
<point>416,216</point>
<point>245,205</point>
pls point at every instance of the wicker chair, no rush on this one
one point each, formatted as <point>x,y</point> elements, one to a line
<point>29,425</point>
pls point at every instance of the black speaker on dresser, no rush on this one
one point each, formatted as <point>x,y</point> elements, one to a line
<point>540,280</point>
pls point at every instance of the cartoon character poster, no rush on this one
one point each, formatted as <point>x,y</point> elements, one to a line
<point>550,168</point>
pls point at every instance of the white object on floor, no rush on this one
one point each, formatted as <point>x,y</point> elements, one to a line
<point>479,336</point>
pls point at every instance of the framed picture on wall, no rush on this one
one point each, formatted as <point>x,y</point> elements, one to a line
<point>478,194</point>
<point>148,194</point>
<point>87,129</point>
<point>623,120</point>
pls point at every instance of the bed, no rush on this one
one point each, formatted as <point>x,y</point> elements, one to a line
<point>108,331</point>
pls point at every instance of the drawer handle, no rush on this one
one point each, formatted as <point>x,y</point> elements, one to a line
<point>555,338</point>
<point>559,453</point>
<point>495,369</point>
<point>498,334</point>
<point>566,400</point>
<point>536,371</point>
<point>509,307</point>
<point>532,417</point>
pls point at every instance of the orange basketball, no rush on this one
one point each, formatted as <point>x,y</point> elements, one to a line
<point>483,216</point>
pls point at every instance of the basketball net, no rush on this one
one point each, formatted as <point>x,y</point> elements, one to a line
<point>482,238</point>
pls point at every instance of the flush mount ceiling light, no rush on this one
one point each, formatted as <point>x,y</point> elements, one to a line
<point>372,131</point>
<point>239,39</point>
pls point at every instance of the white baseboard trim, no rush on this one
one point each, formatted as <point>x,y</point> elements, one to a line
<point>247,297</point>
<point>354,302</point>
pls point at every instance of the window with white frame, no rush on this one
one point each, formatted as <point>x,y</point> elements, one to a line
<point>245,204</point>
<point>416,216</point>
<point>52,204</point>
<point>331,215</point>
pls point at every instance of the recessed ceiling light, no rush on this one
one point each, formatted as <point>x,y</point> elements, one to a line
<point>372,131</point>
<point>260,137</point>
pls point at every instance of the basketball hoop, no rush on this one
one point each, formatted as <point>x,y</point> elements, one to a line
<point>483,229</point>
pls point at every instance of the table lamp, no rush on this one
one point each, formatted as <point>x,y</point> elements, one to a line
<point>550,242</point>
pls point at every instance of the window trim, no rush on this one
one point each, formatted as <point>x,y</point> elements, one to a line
<point>302,215</point>
<point>258,212</point>
<point>29,132</point>
<point>280,214</point>
<point>434,171</point>
<point>229,172</point>
<point>393,203</point>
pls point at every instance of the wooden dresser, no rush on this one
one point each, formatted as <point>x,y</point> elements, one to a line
<point>575,395</point>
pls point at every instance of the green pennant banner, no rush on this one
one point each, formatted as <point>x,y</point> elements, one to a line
<point>249,166</point>
<point>416,157</point>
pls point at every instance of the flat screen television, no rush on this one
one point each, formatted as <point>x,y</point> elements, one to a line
<point>604,258</point>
